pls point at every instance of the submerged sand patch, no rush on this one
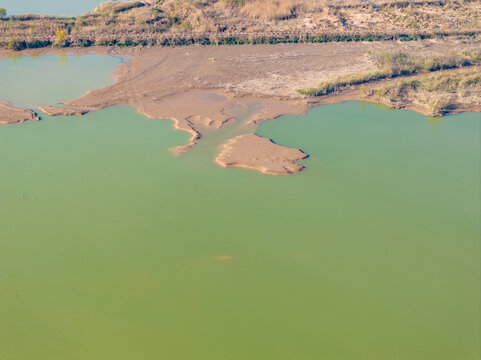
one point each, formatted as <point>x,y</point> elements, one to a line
<point>223,258</point>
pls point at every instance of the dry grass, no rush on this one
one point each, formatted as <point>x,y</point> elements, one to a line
<point>277,9</point>
<point>109,8</point>
<point>394,64</point>
<point>270,9</point>
<point>180,22</point>
<point>437,92</point>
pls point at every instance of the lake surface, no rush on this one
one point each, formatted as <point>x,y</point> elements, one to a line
<point>110,245</point>
<point>49,7</point>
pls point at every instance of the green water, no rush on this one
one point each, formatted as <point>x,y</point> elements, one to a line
<point>108,243</point>
<point>44,80</point>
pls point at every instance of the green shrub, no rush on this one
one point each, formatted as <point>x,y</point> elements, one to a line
<point>16,45</point>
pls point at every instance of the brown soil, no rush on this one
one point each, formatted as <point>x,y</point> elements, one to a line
<point>10,114</point>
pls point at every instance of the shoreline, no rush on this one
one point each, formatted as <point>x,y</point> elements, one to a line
<point>199,87</point>
<point>348,94</point>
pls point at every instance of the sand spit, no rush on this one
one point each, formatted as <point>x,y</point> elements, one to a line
<point>56,111</point>
<point>10,114</point>
<point>254,152</point>
<point>199,112</point>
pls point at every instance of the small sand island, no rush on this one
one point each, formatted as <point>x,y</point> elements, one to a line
<point>254,152</point>
<point>257,61</point>
<point>10,114</point>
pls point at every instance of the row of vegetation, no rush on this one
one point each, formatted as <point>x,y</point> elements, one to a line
<point>394,64</point>
<point>33,42</point>
<point>185,22</point>
<point>439,92</point>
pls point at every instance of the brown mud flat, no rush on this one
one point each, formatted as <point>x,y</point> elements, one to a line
<point>254,152</point>
<point>59,111</point>
<point>10,114</point>
<point>198,87</point>
<point>173,82</point>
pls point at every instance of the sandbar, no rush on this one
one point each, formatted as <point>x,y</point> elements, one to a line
<point>10,114</point>
<point>250,151</point>
<point>57,111</point>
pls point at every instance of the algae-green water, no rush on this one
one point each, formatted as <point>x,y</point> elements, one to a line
<point>113,248</point>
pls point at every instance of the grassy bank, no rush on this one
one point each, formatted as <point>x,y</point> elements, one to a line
<point>438,92</point>
<point>394,64</point>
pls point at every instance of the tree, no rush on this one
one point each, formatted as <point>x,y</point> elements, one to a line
<point>3,13</point>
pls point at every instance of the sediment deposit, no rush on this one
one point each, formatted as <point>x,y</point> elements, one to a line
<point>254,152</point>
<point>10,114</point>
